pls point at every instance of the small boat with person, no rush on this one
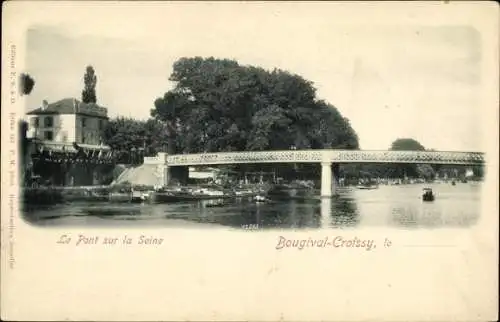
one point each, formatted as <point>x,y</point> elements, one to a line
<point>428,195</point>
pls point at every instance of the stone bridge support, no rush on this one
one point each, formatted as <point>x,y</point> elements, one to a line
<point>329,179</point>
<point>166,173</point>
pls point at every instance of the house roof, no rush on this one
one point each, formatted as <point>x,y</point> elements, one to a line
<point>71,106</point>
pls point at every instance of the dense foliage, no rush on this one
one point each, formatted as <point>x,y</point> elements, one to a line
<point>407,145</point>
<point>409,170</point>
<point>124,135</point>
<point>219,105</point>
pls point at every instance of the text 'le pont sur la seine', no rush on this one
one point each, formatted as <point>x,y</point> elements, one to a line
<point>82,240</point>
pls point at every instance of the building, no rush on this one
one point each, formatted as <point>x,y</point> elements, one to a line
<point>68,121</point>
<point>65,143</point>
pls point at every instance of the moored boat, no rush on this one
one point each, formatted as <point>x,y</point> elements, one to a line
<point>207,193</point>
<point>290,191</point>
<point>367,187</point>
<point>214,203</point>
<point>139,196</point>
<point>243,193</point>
<point>260,198</point>
<point>189,194</point>
<point>120,196</point>
<point>127,193</point>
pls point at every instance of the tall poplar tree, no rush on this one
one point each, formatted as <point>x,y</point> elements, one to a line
<point>90,81</point>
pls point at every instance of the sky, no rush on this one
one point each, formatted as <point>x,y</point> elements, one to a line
<point>391,80</point>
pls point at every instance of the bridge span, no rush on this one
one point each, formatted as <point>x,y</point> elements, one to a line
<point>328,158</point>
<point>334,156</point>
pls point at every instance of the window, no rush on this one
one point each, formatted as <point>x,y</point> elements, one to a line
<point>84,122</point>
<point>35,122</point>
<point>48,121</point>
<point>48,135</point>
<point>101,124</point>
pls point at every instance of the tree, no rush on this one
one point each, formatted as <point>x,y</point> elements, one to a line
<point>219,105</point>
<point>425,171</point>
<point>165,110</point>
<point>125,135</point>
<point>410,170</point>
<point>397,170</point>
<point>27,83</point>
<point>407,144</point>
<point>90,81</point>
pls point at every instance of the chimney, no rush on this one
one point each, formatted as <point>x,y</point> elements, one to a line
<point>45,104</point>
<point>75,105</point>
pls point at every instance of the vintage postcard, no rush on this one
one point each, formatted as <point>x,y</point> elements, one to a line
<point>236,161</point>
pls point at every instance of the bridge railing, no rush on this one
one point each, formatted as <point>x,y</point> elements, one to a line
<point>334,156</point>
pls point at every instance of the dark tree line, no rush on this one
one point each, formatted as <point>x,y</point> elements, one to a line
<point>390,170</point>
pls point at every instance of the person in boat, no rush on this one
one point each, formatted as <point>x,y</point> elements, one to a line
<point>428,194</point>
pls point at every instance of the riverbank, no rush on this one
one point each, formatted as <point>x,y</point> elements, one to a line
<point>64,194</point>
<point>59,194</point>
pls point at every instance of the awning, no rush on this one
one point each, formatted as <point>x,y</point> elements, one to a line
<point>67,147</point>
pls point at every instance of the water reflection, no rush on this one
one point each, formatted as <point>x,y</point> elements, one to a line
<point>345,212</point>
<point>453,207</point>
<point>393,206</point>
<point>339,211</point>
<point>326,212</point>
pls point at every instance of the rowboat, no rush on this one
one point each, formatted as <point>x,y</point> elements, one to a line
<point>428,195</point>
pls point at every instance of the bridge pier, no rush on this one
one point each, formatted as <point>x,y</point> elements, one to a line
<point>326,179</point>
<point>326,212</point>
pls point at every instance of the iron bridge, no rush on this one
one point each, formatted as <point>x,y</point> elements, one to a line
<point>328,156</point>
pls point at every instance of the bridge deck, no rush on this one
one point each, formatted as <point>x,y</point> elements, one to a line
<point>332,156</point>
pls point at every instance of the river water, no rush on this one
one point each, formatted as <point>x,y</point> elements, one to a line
<point>397,206</point>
